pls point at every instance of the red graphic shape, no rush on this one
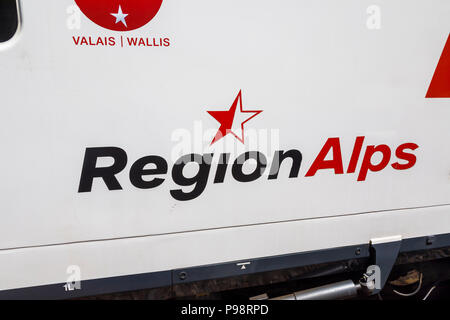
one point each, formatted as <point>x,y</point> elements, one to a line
<point>226,119</point>
<point>440,84</point>
<point>120,15</point>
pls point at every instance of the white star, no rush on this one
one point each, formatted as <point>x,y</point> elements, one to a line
<point>233,120</point>
<point>120,16</point>
<point>240,118</point>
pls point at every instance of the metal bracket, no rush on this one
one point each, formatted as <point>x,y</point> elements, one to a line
<point>384,253</point>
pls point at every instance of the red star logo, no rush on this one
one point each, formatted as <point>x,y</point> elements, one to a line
<point>233,120</point>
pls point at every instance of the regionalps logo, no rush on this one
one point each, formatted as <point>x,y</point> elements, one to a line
<point>440,84</point>
<point>120,16</point>
<point>151,171</point>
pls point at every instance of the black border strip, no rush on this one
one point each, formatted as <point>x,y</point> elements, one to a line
<point>215,271</point>
<point>91,287</point>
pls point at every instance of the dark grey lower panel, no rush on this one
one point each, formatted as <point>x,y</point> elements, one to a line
<point>215,271</point>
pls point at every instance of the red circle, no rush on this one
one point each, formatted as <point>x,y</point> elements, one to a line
<point>138,12</point>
